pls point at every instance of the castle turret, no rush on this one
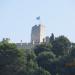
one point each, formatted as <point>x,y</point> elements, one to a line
<point>37,34</point>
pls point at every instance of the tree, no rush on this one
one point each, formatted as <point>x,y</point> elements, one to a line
<point>41,71</point>
<point>46,61</point>
<point>61,46</point>
<point>31,64</point>
<point>52,38</point>
<point>42,47</point>
<point>14,61</point>
<point>72,54</point>
<point>11,59</point>
<point>8,56</point>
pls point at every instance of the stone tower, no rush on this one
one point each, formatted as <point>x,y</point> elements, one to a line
<point>37,34</point>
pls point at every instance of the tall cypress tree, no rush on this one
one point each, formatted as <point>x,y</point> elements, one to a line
<point>52,38</point>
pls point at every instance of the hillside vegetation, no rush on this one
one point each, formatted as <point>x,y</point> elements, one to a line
<point>54,58</point>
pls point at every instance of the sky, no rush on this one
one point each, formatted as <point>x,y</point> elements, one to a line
<point>18,16</point>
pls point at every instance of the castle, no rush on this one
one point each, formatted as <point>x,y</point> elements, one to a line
<point>37,34</point>
<point>37,37</point>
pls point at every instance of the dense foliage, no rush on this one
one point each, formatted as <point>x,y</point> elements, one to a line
<point>54,58</point>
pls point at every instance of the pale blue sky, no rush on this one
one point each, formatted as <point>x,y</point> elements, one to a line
<point>18,16</point>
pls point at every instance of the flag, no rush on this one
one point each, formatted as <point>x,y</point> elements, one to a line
<point>38,18</point>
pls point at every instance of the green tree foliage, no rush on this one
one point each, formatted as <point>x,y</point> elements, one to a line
<point>61,46</point>
<point>8,58</point>
<point>46,60</point>
<point>72,54</point>
<point>52,38</point>
<point>41,71</point>
<point>54,58</point>
<point>31,64</point>
<point>42,47</point>
<point>15,61</point>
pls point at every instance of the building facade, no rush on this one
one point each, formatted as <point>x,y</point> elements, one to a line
<point>37,34</point>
